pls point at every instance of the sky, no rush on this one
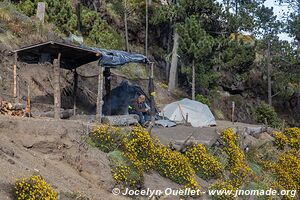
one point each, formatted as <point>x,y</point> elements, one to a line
<point>279,11</point>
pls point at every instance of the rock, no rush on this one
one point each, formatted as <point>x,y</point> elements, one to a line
<point>8,152</point>
<point>27,142</point>
<point>11,161</point>
<point>120,120</point>
<point>266,137</point>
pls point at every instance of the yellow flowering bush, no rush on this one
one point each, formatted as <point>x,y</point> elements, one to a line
<point>292,132</point>
<point>286,171</point>
<point>223,186</point>
<point>123,170</point>
<point>175,166</point>
<point>107,138</point>
<point>280,140</point>
<point>140,148</point>
<point>290,136</point>
<point>146,153</point>
<point>294,137</point>
<point>205,165</point>
<point>124,175</point>
<point>34,188</point>
<point>237,165</point>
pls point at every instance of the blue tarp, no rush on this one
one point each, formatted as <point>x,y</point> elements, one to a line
<point>115,58</point>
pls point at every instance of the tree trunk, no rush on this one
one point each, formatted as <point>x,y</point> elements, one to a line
<point>173,70</point>
<point>269,75</point>
<point>126,25</point>
<point>298,99</point>
<point>193,81</point>
<point>236,15</point>
<point>146,39</point>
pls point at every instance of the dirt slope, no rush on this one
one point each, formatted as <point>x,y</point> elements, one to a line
<point>56,151</point>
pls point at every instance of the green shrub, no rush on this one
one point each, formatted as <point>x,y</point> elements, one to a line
<point>203,99</point>
<point>106,138</point>
<point>123,170</point>
<point>95,30</point>
<point>265,111</point>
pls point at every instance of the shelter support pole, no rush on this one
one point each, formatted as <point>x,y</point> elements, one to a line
<point>56,84</point>
<point>232,112</point>
<point>75,91</point>
<point>100,94</point>
<point>28,101</point>
<point>152,93</point>
<point>193,81</point>
<point>107,80</point>
<point>15,87</point>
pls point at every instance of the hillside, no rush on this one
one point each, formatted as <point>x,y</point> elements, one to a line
<point>239,79</point>
<point>81,159</point>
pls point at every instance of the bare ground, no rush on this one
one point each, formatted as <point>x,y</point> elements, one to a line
<point>205,135</point>
<point>56,150</point>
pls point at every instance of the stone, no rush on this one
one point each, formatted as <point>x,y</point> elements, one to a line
<point>120,120</point>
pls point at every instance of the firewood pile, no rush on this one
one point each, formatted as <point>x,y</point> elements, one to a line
<point>17,109</point>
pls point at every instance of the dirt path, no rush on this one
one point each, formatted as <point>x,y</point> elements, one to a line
<point>204,135</point>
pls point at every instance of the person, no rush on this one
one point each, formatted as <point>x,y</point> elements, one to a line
<point>139,107</point>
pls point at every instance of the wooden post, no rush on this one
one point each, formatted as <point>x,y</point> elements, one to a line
<point>266,122</point>
<point>78,13</point>
<point>187,118</point>
<point>232,112</point>
<point>298,100</point>
<point>28,101</point>
<point>107,85</point>
<point>75,91</point>
<point>269,71</point>
<point>15,88</point>
<point>193,81</point>
<point>41,10</point>
<point>100,94</point>
<point>126,26</point>
<point>56,83</point>
<point>283,126</point>
<point>151,92</point>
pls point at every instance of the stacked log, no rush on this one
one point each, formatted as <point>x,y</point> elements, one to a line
<point>11,109</point>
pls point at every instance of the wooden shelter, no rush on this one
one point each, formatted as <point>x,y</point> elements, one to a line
<point>60,55</point>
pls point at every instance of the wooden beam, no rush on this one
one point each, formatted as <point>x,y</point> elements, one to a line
<point>15,92</point>
<point>99,95</point>
<point>75,92</point>
<point>56,83</point>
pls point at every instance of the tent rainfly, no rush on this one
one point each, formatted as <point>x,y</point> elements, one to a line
<point>199,115</point>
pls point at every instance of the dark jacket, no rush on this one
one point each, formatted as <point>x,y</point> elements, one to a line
<point>136,106</point>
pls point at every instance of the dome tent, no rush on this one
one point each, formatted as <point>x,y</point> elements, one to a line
<point>199,114</point>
